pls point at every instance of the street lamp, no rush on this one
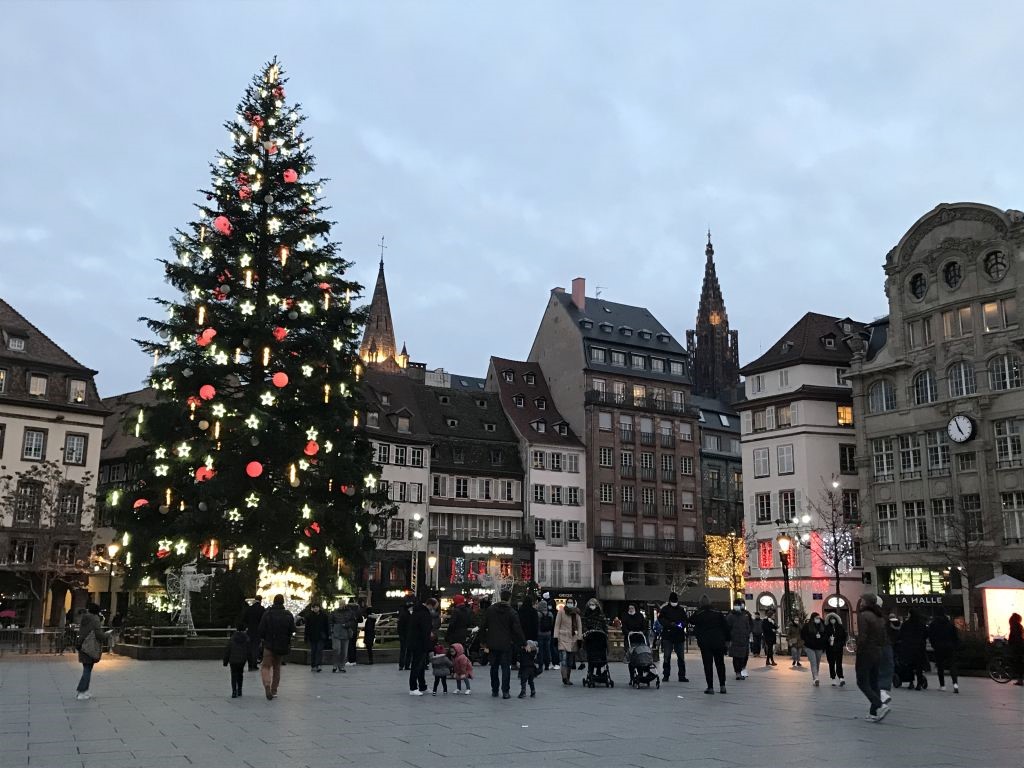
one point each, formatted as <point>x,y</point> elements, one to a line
<point>417,534</point>
<point>785,543</point>
<point>112,549</point>
<point>431,563</point>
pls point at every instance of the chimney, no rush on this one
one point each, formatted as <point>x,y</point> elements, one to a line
<point>579,293</point>
<point>558,289</point>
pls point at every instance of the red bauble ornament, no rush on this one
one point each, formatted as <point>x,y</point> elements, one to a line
<point>243,178</point>
<point>280,379</point>
<point>279,92</point>
<point>245,193</point>
<point>208,333</point>
<point>312,448</point>
<point>194,401</point>
<point>210,549</point>
<point>325,286</point>
<point>254,469</point>
<point>280,333</point>
<point>314,528</point>
<point>222,225</point>
<point>219,295</point>
<point>290,176</point>
<point>203,474</point>
<point>272,149</point>
<point>140,503</point>
<point>255,119</point>
<point>207,392</point>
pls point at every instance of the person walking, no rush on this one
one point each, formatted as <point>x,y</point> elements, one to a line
<point>458,623</point>
<point>442,665</point>
<point>357,616</point>
<point>594,620</point>
<point>887,667</point>
<point>756,634</point>
<point>252,615</point>
<point>528,669</point>
<point>545,629</point>
<point>913,650</point>
<point>463,668</point>
<point>369,635</point>
<point>633,621</point>
<point>501,632</point>
<point>529,619</point>
<point>1015,647</point>
<point>341,630</point>
<point>672,616</point>
<point>91,638</point>
<point>317,634</point>
<point>568,633</point>
<point>769,636</point>
<point>796,643</point>
<point>945,642</point>
<point>740,626</point>
<point>236,654</point>
<point>813,635</point>
<point>870,642</point>
<point>835,641</point>
<point>404,614</point>
<point>276,629</point>
<point>713,635</point>
<point>419,632</point>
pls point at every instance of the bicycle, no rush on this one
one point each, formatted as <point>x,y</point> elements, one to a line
<point>998,666</point>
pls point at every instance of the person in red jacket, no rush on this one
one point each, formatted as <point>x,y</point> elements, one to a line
<point>463,668</point>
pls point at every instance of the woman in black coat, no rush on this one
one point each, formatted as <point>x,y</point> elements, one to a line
<point>913,653</point>
<point>713,635</point>
<point>769,636</point>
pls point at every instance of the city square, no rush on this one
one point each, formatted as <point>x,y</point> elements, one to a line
<point>171,714</point>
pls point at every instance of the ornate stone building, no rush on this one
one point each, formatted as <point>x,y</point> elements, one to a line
<point>938,398</point>
<point>713,348</point>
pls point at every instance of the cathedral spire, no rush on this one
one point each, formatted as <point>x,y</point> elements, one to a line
<point>379,337</point>
<point>712,346</point>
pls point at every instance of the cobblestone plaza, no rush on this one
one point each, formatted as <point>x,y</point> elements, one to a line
<point>175,714</point>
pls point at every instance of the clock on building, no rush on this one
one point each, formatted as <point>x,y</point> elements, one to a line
<point>960,428</point>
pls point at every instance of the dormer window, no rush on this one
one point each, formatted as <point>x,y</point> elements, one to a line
<point>481,403</point>
<point>385,398</point>
<point>664,338</point>
<point>509,376</point>
<point>541,404</point>
<point>518,401</point>
<point>529,378</point>
<point>830,342</point>
<point>404,424</point>
<point>37,385</point>
<point>605,327</point>
<point>16,344</point>
<point>453,422</point>
<point>76,391</point>
<point>563,430</point>
<point>644,334</point>
<point>626,330</point>
<point>372,419</point>
<point>588,324</point>
<point>444,399</point>
<point>489,427</point>
<point>700,416</point>
<point>676,368</point>
<point>786,346</point>
<point>539,426</point>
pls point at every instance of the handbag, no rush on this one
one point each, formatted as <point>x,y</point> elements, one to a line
<point>91,647</point>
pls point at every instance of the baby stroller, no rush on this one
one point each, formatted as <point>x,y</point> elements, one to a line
<point>596,644</point>
<point>640,657</point>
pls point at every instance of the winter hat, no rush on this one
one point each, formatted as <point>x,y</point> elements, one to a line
<point>458,600</point>
<point>546,595</point>
<point>869,598</point>
<point>673,597</point>
<point>438,649</point>
<point>531,646</point>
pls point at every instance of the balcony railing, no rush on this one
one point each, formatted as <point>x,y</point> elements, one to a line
<point>646,473</point>
<point>629,508</point>
<point>667,440</point>
<point>668,510</point>
<point>653,546</point>
<point>646,438</point>
<point>627,471</point>
<point>468,535</point>
<point>627,435</point>
<point>668,475</point>
<point>639,403</point>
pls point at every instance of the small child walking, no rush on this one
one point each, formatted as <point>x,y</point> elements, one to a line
<point>236,655</point>
<point>463,668</point>
<point>442,666</point>
<point>528,669</point>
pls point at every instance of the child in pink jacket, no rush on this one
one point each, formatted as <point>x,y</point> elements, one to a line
<point>463,668</point>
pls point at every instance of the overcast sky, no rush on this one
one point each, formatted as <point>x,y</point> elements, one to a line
<point>504,153</point>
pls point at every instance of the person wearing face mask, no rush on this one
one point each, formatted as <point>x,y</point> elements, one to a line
<point>835,639</point>
<point>568,632</point>
<point>815,643</point>
<point>545,628</point>
<point>769,635</point>
<point>870,642</point>
<point>740,626</point>
<point>317,634</point>
<point>633,621</point>
<point>673,620</point>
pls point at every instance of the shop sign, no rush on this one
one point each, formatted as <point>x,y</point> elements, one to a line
<point>476,549</point>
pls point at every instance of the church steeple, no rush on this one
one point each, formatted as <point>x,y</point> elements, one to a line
<point>713,348</point>
<point>378,345</point>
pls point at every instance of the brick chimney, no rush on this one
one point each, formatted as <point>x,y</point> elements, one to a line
<point>579,293</point>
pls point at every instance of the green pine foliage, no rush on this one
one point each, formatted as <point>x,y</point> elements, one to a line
<point>254,442</point>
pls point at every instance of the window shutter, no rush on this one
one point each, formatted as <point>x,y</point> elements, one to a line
<point>752,506</point>
<point>517,490</point>
<point>746,422</point>
<point>769,417</point>
<point>799,503</point>
<point>794,413</point>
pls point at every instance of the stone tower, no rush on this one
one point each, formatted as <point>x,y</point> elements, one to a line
<point>378,346</point>
<point>713,348</point>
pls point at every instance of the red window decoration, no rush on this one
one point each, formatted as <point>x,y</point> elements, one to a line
<point>765,554</point>
<point>526,572</point>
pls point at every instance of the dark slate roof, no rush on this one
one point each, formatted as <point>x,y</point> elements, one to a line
<point>401,394</point>
<point>468,383</point>
<point>619,316</point>
<point>711,408</point>
<point>39,348</point>
<point>118,428</point>
<point>805,343</point>
<point>879,335</point>
<point>524,418</point>
<point>806,392</point>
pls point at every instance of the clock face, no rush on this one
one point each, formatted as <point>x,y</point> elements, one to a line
<point>960,428</point>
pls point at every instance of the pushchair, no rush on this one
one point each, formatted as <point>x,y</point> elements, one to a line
<point>596,644</point>
<point>474,648</point>
<point>640,658</point>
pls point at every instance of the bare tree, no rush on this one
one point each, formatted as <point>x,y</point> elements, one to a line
<point>47,511</point>
<point>838,527</point>
<point>965,539</point>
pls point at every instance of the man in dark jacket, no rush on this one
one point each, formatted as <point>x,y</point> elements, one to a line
<point>404,614</point>
<point>529,619</point>
<point>501,632</point>
<point>458,624</point>
<point>276,629</point>
<point>252,615</point>
<point>713,634</point>
<point>317,634</point>
<point>673,636</point>
<point>913,650</point>
<point>418,636</point>
<point>870,643</point>
<point>945,641</point>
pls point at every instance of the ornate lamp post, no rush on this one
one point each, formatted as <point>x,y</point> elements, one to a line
<point>432,563</point>
<point>112,549</point>
<point>785,543</point>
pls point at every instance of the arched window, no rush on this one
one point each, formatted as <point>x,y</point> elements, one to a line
<point>1004,372</point>
<point>925,389</point>
<point>881,397</point>
<point>961,379</point>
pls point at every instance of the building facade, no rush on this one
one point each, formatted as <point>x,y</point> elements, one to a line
<point>554,462</point>
<point>939,401</point>
<point>800,470</point>
<point>623,384</point>
<point>50,411</point>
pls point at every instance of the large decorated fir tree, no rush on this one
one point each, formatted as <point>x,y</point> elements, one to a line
<point>253,450</point>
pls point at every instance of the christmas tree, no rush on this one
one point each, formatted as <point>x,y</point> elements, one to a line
<point>253,450</point>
